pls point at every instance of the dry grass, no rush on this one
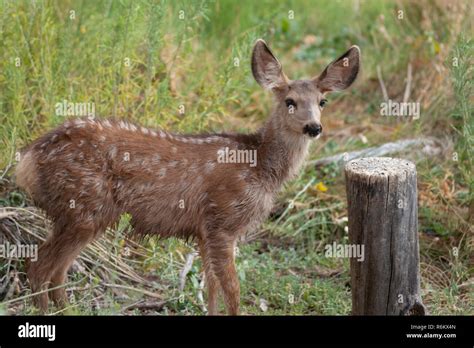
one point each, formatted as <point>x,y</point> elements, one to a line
<point>109,263</point>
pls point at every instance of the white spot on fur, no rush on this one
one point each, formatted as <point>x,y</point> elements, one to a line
<point>80,123</point>
<point>144,130</point>
<point>209,167</point>
<point>162,172</point>
<point>244,175</point>
<point>212,139</point>
<point>113,151</point>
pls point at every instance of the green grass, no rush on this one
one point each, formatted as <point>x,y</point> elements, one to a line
<point>462,114</point>
<point>139,60</point>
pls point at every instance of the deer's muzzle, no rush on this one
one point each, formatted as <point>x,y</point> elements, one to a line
<point>312,129</point>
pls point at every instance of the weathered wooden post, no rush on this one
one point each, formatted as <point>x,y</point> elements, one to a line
<point>383,217</point>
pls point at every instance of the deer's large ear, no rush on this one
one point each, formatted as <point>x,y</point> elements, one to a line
<point>266,69</point>
<point>341,73</point>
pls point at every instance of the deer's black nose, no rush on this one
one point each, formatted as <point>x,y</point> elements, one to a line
<point>312,129</point>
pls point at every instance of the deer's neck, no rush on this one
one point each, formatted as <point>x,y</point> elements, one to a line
<point>280,154</point>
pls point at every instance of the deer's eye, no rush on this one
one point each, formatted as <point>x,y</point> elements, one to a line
<point>323,103</point>
<point>290,102</point>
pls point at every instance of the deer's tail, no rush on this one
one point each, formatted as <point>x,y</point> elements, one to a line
<point>26,174</point>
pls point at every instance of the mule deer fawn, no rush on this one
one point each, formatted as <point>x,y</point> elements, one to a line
<point>88,171</point>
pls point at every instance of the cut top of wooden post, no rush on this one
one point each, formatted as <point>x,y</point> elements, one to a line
<point>379,166</point>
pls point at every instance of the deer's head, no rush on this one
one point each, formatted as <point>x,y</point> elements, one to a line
<point>300,102</point>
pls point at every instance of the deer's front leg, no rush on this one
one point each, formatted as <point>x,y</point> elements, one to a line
<point>220,251</point>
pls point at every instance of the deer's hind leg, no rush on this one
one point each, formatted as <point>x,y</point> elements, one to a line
<point>39,274</point>
<point>76,240</point>
<point>55,257</point>
<point>211,280</point>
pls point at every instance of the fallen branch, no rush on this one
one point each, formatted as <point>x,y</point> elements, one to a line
<point>431,147</point>
<point>145,305</point>
<point>124,287</point>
